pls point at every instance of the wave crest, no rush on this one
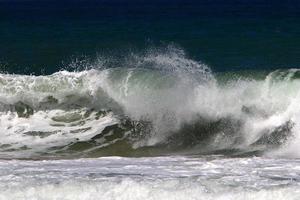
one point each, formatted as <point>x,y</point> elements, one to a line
<point>161,102</point>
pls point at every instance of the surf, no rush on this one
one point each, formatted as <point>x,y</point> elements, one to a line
<point>157,103</point>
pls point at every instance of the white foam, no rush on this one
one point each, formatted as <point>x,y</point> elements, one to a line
<point>151,178</point>
<point>15,131</point>
<point>173,91</point>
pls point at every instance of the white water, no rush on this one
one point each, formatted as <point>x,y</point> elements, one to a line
<point>116,178</point>
<point>166,89</point>
<point>166,101</point>
<point>16,131</point>
<point>169,91</point>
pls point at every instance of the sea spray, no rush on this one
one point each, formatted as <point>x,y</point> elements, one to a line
<point>155,103</point>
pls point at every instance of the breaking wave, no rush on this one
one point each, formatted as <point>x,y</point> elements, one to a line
<point>153,104</point>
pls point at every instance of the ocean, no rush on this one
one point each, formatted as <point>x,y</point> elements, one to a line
<point>161,99</point>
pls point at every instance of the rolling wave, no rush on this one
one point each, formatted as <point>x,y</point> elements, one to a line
<point>159,103</point>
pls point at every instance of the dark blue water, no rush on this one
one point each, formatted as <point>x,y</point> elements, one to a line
<point>44,36</point>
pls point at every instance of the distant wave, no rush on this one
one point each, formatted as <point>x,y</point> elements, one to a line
<point>158,103</point>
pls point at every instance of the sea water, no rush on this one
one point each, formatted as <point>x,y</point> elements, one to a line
<point>149,100</point>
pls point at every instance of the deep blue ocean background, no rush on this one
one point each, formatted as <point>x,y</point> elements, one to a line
<point>41,37</point>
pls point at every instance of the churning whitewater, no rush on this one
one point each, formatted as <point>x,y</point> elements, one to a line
<point>173,178</point>
<point>184,132</point>
<point>160,103</point>
<point>149,100</point>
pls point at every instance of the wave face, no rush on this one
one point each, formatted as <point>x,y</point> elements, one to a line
<point>157,103</point>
